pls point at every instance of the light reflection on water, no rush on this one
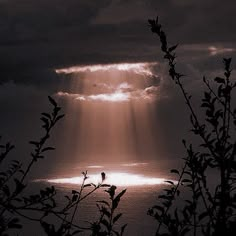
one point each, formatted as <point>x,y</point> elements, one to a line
<point>123,174</point>
<point>117,178</point>
<point>133,205</point>
<point>142,181</point>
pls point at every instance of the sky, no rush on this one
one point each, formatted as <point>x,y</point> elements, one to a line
<point>40,41</point>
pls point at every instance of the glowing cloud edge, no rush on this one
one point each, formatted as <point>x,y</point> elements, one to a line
<point>139,68</point>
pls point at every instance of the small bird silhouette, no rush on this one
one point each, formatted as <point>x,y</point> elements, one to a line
<point>103,176</point>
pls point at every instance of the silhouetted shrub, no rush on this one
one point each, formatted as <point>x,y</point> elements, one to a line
<point>15,205</point>
<point>207,209</point>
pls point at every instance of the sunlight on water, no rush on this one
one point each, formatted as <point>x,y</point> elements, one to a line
<point>95,167</point>
<point>118,179</point>
<point>134,164</point>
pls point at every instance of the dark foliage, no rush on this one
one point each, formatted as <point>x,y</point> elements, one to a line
<point>207,209</point>
<point>40,207</point>
<point>108,216</point>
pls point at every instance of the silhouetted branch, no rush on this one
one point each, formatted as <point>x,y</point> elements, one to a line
<point>217,152</point>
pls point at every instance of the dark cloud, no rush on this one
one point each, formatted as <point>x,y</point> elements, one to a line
<point>52,34</point>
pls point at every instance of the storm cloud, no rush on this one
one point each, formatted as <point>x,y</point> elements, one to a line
<point>52,34</point>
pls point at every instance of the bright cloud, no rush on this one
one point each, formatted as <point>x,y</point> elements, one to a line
<point>150,93</point>
<point>114,97</point>
<point>211,49</point>
<point>218,50</point>
<point>111,83</point>
<point>139,68</point>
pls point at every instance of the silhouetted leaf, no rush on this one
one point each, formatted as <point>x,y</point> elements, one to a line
<point>74,192</point>
<point>19,186</point>
<point>105,185</point>
<point>103,175</point>
<point>34,143</point>
<point>104,202</point>
<point>174,171</point>
<point>52,101</point>
<point>202,215</point>
<point>169,182</point>
<point>46,115</point>
<point>160,208</point>
<point>219,80</point>
<point>87,185</point>
<point>59,117</point>
<point>48,149</point>
<point>116,201</point>
<point>173,48</point>
<point>116,218</point>
<point>74,198</point>
<point>77,232</point>
<point>184,231</point>
<point>123,229</point>
<point>105,222</point>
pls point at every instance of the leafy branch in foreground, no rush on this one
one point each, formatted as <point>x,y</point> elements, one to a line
<point>209,207</point>
<point>49,121</point>
<point>43,207</point>
<point>12,180</point>
<point>106,223</point>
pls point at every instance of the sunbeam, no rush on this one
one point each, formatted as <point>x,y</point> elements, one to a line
<point>116,107</point>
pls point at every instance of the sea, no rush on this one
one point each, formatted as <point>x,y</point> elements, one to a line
<point>143,183</point>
